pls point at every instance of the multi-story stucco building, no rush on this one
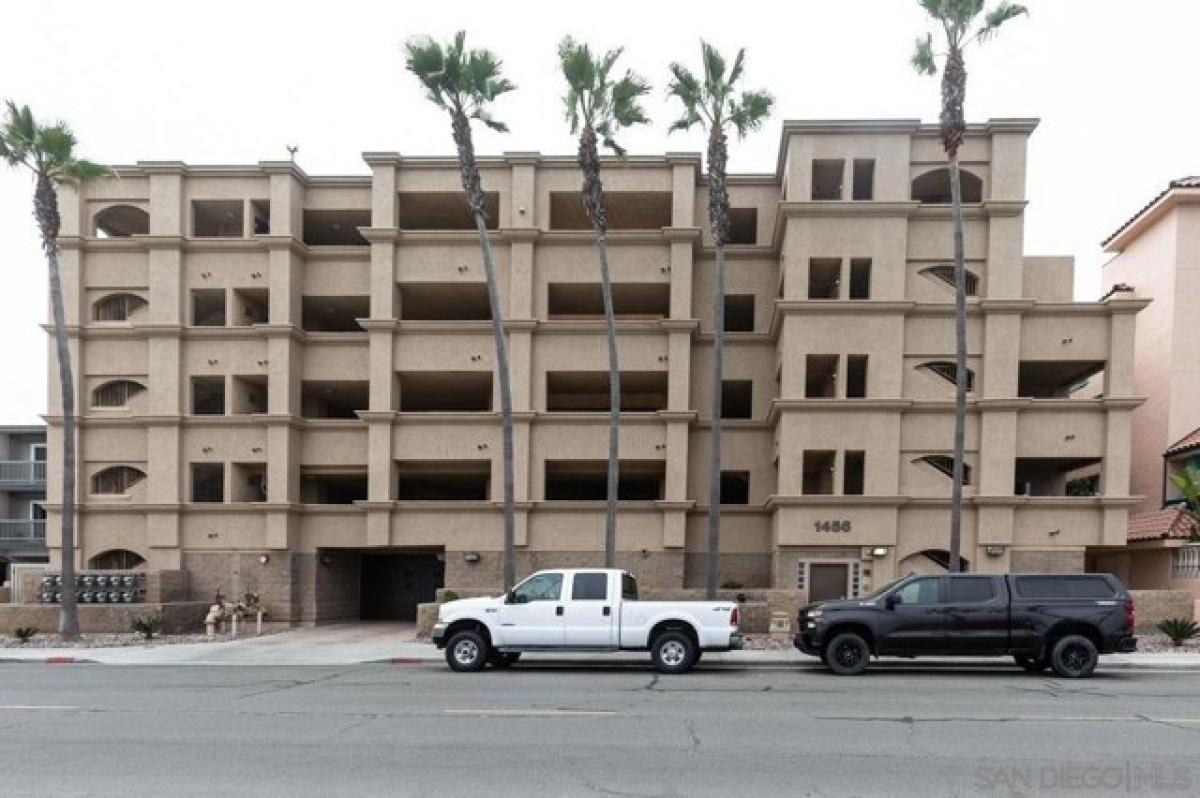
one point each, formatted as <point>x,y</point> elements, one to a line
<point>287,380</point>
<point>1156,254</point>
<point>22,492</point>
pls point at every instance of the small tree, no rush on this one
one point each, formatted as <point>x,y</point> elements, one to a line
<point>1188,483</point>
<point>463,83</point>
<point>957,18</point>
<point>715,104</point>
<point>598,107</point>
<point>48,152</point>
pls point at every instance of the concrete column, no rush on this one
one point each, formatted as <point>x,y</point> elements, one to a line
<point>1005,260</point>
<point>1118,373</point>
<point>287,195</point>
<point>679,353</point>
<point>1001,356</point>
<point>1116,469</point>
<point>685,169</point>
<point>1007,173</point>
<point>385,168</point>
<point>520,279</point>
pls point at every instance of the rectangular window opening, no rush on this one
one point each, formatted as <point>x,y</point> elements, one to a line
<point>743,225</point>
<point>250,306</point>
<point>630,300</point>
<point>444,210</point>
<point>588,392</point>
<point>853,472</point>
<point>208,482</point>
<point>333,398</point>
<point>586,480</point>
<point>827,178</point>
<point>249,482</point>
<point>208,396</point>
<point>860,278</point>
<point>208,307</point>
<point>218,219</point>
<point>864,179</point>
<point>735,487</point>
<point>343,487</point>
<point>260,211</point>
<point>334,313</point>
<point>824,278</point>
<point>737,399</point>
<point>818,473</point>
<point>820,376</point>
<point>335,228</point>
<point>856,376</point>
<point>445,391</point>
<point>250,394</point>
<point>443,480</point>
<point>739,313</point>
<point>444,302</point>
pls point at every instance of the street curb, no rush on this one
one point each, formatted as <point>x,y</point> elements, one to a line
<point>50,661</point>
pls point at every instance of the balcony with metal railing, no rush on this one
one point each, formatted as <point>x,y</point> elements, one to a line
<point>22,532</point>
<point>22,475</point>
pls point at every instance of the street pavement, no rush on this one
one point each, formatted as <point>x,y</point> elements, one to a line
<point>421,730</point>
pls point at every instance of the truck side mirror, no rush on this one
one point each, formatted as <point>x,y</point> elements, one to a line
<point>892,600</point>
<point>514,598</point>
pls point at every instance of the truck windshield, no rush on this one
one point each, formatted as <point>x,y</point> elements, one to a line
<point>879,591</point>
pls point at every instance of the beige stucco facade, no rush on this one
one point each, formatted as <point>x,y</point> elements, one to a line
<point>342,397</point>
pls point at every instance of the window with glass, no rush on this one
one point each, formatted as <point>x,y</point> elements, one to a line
<point>919,592</point>
<point>539,587</point>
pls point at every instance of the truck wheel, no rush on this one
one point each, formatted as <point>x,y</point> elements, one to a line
<point>466,651</point>
<point>847,654</point>
<point>501,660</point>
<point>673,652</point>
<point>1074,657</point>
<point>1031,664</point>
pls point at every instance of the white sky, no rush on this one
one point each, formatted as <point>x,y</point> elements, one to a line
<point>234,82</point>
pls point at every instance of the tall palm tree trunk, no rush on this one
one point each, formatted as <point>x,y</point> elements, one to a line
<point>46,211</point>
<point>718,215</point>
<point>593,203</point>
<point>469,171</point>
<point>953,124</point>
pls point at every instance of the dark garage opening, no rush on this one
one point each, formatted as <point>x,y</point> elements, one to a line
<point>393,584</point>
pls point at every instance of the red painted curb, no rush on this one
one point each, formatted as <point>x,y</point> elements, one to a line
<point>59,660</point>
<point>406,660</point>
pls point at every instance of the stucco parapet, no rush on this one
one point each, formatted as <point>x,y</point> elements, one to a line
<point>155,168</point>
<point>1121,305</point>
<point>382,158</point>
<point>290,168</point>
<point>514,234</point>
<point>348,338</point>
<point>684,234</point>
<point>377,416</point>
<point>684,158</point>
<point>738,338</point>
<point>736,424</point>
<point>418,237</point>
<point>522,157</point>
<point>592,326</point>
<point>733,509</point>
<point>679,325</point>
<point>380,235</point>
<point>1007,305</point>
<point>782,406</point>
<point>736,252</point>
<point>519,325</point>
<point>675,506</point>
<point>1017,502</point>
<point>380,325</point>
<point>678,415</point>
<point>599,417</point>
<point>133,243</point>
<point>971,211</point>
<point>464,417</point>
<point>615,237</point>
<point>878,208</point>
<point>641,506</point>
<point>239,244</point>
<point>777,500</point>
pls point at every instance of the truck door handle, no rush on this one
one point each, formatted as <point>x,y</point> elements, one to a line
<point>558,610</point>
<point>608,610</point>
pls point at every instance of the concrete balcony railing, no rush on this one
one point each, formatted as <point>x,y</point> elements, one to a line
<point>22,531</point>
<point>22,472</point>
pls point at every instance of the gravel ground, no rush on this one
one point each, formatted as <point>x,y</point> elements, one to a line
<point>124,639</point>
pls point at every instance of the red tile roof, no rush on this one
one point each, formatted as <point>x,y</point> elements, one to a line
<point>1169,522</point>
<point>1189,441</point>
<point>1183,182</point>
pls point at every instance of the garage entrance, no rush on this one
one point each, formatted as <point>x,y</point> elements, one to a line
<point>393,584</point>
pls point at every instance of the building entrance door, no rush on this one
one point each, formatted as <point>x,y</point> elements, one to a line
<point>827,581</point>
<point>394,584</point>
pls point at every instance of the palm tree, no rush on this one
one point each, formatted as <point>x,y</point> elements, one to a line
<point>957,21</point>
<point>1187,482</point>
<point>464,83</point>
<point>596,104</point>
<point>714,103</point>
<point>48,151</point>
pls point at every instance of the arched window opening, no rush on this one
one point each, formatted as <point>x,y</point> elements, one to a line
<point>117,307</point>
<point>933,187</point>
<point>116,560</point>
<point>948,371</point>
<point>116,480</point>
<point>929,562</point>
<point>122,221</point>
<point>116,393</point>
<point>945,273</point>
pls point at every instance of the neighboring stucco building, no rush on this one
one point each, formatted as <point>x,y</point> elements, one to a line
<point>286,380</point>
<point>1156,254</point>
<point>22,493</point>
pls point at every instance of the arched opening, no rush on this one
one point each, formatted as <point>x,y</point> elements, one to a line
<point>934,186</point>
<point>122,221</point>
<point>929,561</point>
<point>117,307</point>
<point>116,393</point>
<point>948,371</point>
<point>944,272</point>
<point>116,480</point>
<point>116,560</point>
<point>945,464</point>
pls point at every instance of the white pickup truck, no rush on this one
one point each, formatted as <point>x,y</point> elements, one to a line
<point>586,609</point>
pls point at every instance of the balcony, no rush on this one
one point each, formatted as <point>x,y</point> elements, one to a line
<point>22,531</point>
<point>23,474</point>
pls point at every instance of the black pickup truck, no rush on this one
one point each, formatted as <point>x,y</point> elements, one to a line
<point>1059,621</point>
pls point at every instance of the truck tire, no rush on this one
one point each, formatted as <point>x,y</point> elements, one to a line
<point>673,652</point>
<point>501,660</point>
<point>1030,663</point>
<point>1074,657</point>
<point>467,651</point>
<point>847,654</point>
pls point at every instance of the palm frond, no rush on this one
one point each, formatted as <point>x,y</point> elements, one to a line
<point>750,111</point>
<point>81,170</point>
<point>1002,13</point>
<point>922,58</point>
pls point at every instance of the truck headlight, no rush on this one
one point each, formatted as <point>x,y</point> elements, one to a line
<point>816,614</point>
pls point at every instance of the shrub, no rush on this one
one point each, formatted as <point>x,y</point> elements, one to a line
<point>147,625</point>
<point>1178,629</point>
<point>450,595</point>
<point>24,633</point>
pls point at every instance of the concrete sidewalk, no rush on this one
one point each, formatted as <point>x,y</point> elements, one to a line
<point>355,643</point>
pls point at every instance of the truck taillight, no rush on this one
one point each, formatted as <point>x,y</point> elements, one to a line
<point>1129,614</point>
<point>734,617</point>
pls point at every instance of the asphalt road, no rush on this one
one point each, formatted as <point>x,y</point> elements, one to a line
<point>546,731</point>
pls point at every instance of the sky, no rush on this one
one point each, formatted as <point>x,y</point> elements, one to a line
<point>218,82</point>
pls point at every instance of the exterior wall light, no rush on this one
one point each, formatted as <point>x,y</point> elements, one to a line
<point>263,559</point>
<point>880,551</point>
<point>471,556</point>
<point>995,551</point>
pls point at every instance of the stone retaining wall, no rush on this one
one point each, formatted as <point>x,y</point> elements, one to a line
<point>178,617</point>
<point>1152,606</point>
